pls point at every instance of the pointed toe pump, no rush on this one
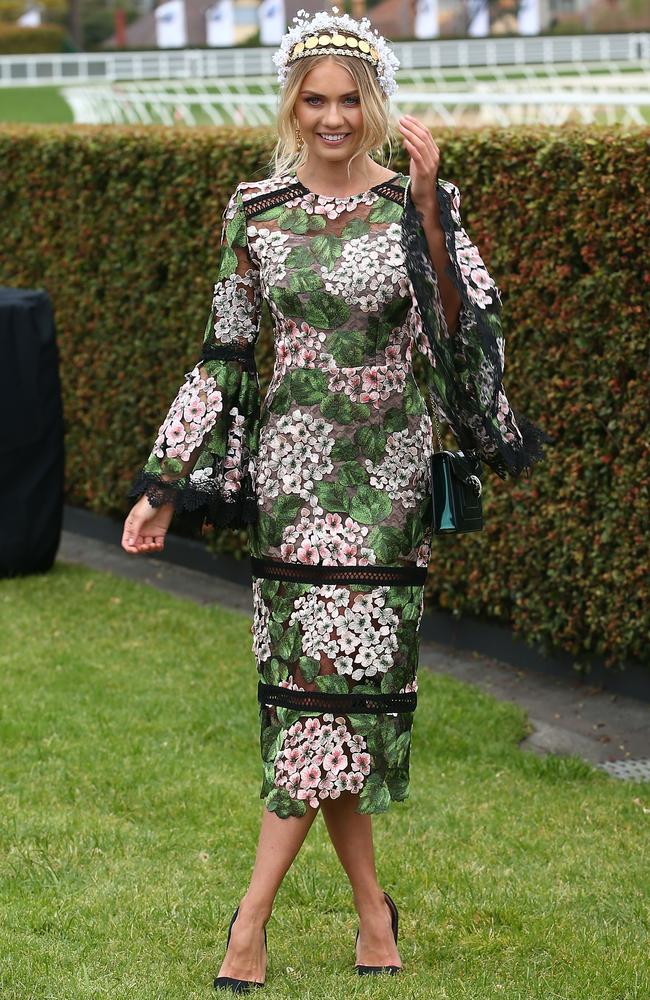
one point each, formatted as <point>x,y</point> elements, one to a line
<point>369,970</point>
<point>229,982</point>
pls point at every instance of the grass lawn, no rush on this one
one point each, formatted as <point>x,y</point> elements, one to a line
<point>33,104</point>
<point>129,810</point>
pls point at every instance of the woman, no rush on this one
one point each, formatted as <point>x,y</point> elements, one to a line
<point>332,476</point>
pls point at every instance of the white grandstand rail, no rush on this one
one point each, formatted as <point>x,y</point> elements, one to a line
<point>182,64</point>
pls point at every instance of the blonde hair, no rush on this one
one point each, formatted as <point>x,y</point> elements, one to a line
<point>377,131</point>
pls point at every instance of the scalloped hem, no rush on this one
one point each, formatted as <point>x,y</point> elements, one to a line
<point>198,506</point>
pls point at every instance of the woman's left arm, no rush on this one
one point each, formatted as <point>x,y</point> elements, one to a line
<point>425,161</point>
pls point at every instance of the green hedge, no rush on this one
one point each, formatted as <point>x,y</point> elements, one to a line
<point>16,40</point>
<point>121,225</point>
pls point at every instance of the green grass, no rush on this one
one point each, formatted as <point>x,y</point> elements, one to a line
<point>129,811</point>
<point>33,104</point>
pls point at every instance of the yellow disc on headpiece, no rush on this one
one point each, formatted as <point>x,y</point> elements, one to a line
<point>324,39</point>
<point>338,39</point>
<point>311,42</point>
<point>363,45</point>
<point>373,52</point>
<point>297,49</point>
<point>351,42</point>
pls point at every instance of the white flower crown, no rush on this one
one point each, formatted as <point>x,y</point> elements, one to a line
<point>326,30</point>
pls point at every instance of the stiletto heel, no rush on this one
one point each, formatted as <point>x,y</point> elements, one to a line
<point>366,970</point>
<point>229,982</point>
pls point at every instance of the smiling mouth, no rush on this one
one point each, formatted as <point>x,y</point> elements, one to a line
<point>333,136</point>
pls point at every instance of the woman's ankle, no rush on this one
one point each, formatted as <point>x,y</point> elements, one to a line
<point>255,910</point>
<point>370,903</point>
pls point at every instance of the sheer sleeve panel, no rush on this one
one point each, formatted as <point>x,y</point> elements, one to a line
<point>203,457</point>
<point>465,371</point>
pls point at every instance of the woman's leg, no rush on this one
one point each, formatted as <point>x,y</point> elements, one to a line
<point>278,844</point>
<point>351,834</point>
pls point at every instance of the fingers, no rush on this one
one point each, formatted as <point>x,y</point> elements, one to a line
<point>135,539</point>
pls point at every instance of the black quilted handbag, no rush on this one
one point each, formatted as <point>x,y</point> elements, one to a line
<point>455,489</point>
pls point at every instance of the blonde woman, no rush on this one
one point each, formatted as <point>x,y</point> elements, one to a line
<point>359,265</point>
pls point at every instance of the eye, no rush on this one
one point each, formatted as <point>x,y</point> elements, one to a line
<point>312,97</point>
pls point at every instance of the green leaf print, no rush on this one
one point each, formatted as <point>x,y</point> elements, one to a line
<point>343,450</point>
<point>332,683</point>
<point>374,796</point>
<point>370,506</point>
<point>236,230</point>
<point>326,250</point>
<point>279,801</point>
<point>294,219</point>
<point>281,609</point>
<point>413,399</point>
<point>363,724</point>
<point>308,386</point>
<point>347,347</point>
<point>354,229</point>
<point>298,258</point>
<point>269,740</point>
<point>309,668</point>
<point>269,532</point>
<point>285,509</point>
<point>304,280</point>
<point>371,442</point>
<point>316,222</point>
<point>395,420</point>
<point>268,588</point>
<point>270,213</point>
<point>325,311</point>
<point>386,542</point>
<point>360,413</point>
<point>385,211</point>
<point>337,407</point>
<point>228,264</point>
<point>351,474</point>
<point>332,497</point>
<point>403,747</point>
<point>397,782</point>
<point>281,399</point>
<point>289,647</point>
<point>287,302</point>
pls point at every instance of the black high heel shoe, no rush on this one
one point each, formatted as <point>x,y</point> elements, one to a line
<point>369,970</point>
<point>229,982</point>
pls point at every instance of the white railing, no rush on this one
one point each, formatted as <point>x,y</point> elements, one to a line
<point>473,97</point>
<point>186,64</point>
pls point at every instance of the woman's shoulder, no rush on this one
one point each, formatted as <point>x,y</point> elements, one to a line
<point>266,185</point>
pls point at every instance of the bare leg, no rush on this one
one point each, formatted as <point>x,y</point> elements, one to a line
<point>278,844</point>
<point>351,834</point>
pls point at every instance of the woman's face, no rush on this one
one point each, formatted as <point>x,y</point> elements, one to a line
<point>328,104</point>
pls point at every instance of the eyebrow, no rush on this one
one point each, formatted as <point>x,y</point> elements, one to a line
<point>314,93</point>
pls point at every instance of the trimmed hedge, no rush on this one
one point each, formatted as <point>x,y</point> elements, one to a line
<point>121,225</point>
<point>17,40</point>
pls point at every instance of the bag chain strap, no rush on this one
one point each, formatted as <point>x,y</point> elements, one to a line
<point>435,421</point>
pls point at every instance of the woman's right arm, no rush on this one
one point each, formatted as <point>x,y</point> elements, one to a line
<point>201,460</point>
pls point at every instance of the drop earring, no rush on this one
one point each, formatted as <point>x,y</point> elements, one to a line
<point>299,139</point>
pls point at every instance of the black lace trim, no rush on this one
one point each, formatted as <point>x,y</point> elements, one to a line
<point>262,202</point>
<point>355,703</point>
<point>200,504</point>
<point>275,569</point>
<point>230,352</point>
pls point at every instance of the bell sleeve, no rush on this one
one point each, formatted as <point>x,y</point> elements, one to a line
<point>203,459</point>
<point>465,371</point>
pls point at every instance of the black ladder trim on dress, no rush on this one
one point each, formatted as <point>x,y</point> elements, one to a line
<point>261,202</point>
<point>230,352</point>
<point>276,569</point>
<point>354,703</point>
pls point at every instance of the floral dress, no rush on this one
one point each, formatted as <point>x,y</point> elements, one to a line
<point>331,473</point>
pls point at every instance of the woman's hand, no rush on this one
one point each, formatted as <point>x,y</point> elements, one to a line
<point>425,161</point>
<point>146,526</point>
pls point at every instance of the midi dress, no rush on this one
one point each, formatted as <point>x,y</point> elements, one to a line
<point>331,474</point>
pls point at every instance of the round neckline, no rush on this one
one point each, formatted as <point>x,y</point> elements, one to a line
<point>347,197</point>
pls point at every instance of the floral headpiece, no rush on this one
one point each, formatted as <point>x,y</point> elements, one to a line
<point>337,34</point>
